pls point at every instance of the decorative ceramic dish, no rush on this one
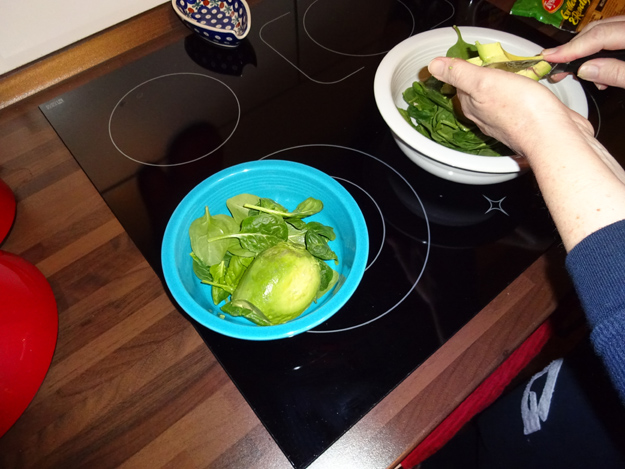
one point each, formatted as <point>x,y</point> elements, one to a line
<point>224,22</point>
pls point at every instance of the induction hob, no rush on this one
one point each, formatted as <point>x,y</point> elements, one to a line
<point>300,88</point>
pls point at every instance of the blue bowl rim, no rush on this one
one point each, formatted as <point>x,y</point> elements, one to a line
<point>251,331</point>
<point>188,19</point>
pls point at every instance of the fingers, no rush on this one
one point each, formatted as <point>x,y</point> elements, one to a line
<point>555,78</point>
<point>515,110</point>
<point>466,76</point>
<point>608,34</point>
<point>456,72</point>
<point>477,81</point>
<point>604,72</point>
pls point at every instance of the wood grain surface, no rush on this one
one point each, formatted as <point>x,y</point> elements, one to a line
<point>131,382</point>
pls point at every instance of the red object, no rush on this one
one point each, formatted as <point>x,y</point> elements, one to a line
<point>485,394</point>
<point>29,326</point>
<point>551,6</point>
<point>7,209</point>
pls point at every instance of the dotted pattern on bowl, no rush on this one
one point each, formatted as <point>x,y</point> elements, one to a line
<point>217,15</point>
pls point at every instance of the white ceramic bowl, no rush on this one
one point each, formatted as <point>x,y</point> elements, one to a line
<point>407,62</point>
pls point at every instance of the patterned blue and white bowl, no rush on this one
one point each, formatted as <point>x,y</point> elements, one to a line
<point>223,22</point>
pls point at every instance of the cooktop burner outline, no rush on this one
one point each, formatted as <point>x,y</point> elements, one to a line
<point>121,100</point>
<point>427,242</point>
<point>333,82</point>
<point>370,263</point>
<point>348,54</point>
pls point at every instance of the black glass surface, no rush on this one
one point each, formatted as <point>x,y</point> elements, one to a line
<point>300,88</point>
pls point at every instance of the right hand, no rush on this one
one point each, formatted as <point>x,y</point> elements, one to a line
<point>606,34</point>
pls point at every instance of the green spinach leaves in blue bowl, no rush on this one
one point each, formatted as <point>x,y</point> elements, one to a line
<point>316,209</point>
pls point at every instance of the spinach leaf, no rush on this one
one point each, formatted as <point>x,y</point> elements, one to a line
<point>262,231</point>
<point>201,270</point>
<point>296,223</point>
<point>461,49</point>
<point>209,237</point>
<point>255,316</point>
<point>236,206</point>
<point>221,290</point>
<point>308,207</point>
<point>236,268</point>
<point>329,277</point>
<point>272,205</point>
<point>317,245</point>
<point>438,98</point>
<point>431,113</point>
<point>298,229</point>
<point>237,250</point>
<point>225,276</point>
<point>321,229</point>
<point>296,236</point>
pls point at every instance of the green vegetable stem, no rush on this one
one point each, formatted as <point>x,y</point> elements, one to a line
<point>461,49</point>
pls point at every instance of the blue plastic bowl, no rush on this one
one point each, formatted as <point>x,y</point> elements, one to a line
<point>223,22</point>
<point>288,183</point>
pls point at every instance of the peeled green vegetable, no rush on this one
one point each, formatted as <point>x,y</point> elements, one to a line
<point>280,284</point>
<point>494,53</point>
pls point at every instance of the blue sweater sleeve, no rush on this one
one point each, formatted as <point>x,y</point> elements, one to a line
<point>597,267</point>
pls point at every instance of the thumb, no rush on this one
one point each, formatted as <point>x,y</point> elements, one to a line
<point>449,70</point>
<point>606,72</point>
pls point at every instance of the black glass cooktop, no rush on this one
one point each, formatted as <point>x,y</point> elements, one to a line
<point>300,88</point>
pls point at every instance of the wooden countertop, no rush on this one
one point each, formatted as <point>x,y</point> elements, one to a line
<point>131,383</point>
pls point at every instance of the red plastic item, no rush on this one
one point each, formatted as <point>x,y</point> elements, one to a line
<point>7,209</point>
<point>29,326</point>
<point>485,394</point>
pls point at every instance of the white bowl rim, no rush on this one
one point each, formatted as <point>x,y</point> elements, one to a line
<point>174,4</point>
<point>475,163</point>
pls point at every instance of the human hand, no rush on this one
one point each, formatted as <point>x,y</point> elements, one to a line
<point>516,110</point>
<point>606,34</point>
<point>582,184</point>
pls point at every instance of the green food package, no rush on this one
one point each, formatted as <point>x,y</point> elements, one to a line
<point>568,15</point>
<point>547,12</point>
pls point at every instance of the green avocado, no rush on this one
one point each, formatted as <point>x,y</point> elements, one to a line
<point>280,283</point>
<point>494,54</point>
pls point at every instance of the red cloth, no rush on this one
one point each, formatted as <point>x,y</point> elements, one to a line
<point>484,395</point>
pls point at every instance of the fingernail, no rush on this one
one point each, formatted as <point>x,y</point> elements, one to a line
<point>588,72</point>
<point>436,67</point>
<point>549,51</point>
